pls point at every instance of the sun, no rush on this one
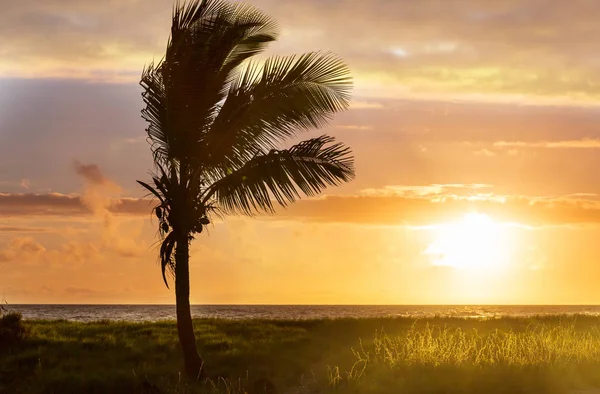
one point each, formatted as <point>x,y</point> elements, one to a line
<point>475,242</point>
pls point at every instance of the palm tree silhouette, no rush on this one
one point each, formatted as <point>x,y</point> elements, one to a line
<point>215,123</point>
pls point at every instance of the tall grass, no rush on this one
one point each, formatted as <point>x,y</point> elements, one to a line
<point>548,357</point>
<point>434,346</point>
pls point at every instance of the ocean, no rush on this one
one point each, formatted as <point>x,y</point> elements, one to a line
<point>86,313</point>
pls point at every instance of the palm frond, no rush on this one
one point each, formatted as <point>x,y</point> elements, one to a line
<point>283,97</point>
<point>209,40</point>
<point>307,167</point>
<point>163,191</point>
<point>252,31</point>
<point>185,16</point>
<point>166,253</point>
<point>153,191</point>
<point>156,111</point>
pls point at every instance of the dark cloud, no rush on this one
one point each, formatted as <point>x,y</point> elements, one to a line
<point>91,173</point>
<point>41,204</point>
<point>55,204</point>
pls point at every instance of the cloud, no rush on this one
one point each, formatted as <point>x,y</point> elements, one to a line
<point>16,229</point>
<point>26,250</point>
<point>391,205</point>
<point>25,183</point>
<point>74,252</point>
<point>571,144</point>
<point>434,190</point>
<point>21,250</point>
<point>516,48</point>
<point>22,204</point>
<point>354,127</point>
<point>484,152</point>
<point>92,174</point>
<point>80,38</point>
<point>56,204</point>
<point>358,104</point>
<point>432,205</point>
<point>100,194</point>
<point>100,200</point>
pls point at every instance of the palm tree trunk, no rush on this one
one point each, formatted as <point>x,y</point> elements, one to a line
<point>192,360</point>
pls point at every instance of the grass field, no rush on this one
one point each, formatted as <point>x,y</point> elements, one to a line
<point>555,354</point>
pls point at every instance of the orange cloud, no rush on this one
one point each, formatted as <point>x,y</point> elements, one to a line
<point>17,229</point>
<point>427,209</point>
<point>26,250</point>
<point>569,144</point>
<point>21,249</point>
<point>100,200</point>
<point>393,205</point>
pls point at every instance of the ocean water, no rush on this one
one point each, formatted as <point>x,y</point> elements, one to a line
<point>86,313</point>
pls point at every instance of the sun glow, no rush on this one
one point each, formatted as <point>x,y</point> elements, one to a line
<point>476,242</point>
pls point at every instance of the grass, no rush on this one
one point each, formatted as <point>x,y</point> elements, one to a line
<point>555,354</point>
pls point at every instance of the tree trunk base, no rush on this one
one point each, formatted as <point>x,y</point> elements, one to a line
<point>194,368</point>
<point>193,363</point>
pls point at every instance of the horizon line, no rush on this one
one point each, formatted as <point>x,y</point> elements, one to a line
<point>240,304</point>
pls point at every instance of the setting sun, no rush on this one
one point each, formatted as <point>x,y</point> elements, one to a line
<point>475,242</point>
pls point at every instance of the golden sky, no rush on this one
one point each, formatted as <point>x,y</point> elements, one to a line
<point>460,107</point>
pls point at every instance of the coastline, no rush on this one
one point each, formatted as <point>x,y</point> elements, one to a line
<point>75,312</point>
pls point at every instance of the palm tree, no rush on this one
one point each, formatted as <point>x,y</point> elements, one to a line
<point>216,123</point>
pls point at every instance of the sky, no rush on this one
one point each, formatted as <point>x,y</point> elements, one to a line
<point>474,126</point>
